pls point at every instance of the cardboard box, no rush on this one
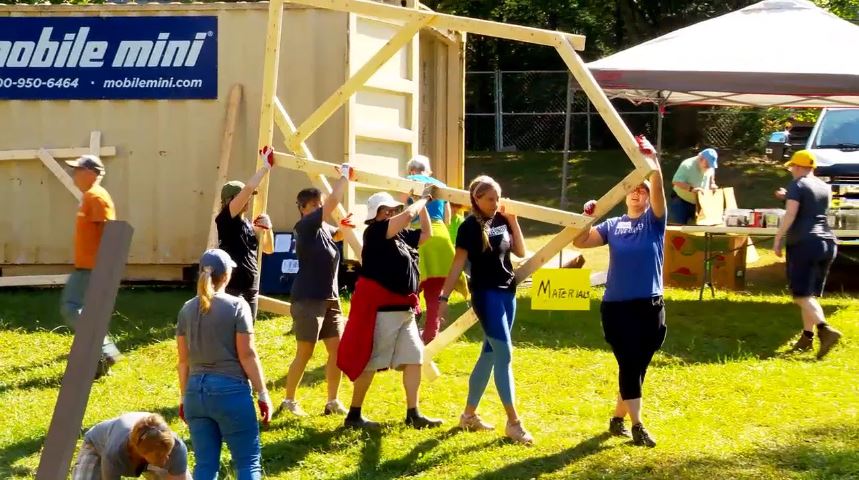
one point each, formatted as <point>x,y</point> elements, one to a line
<point>684,261</point>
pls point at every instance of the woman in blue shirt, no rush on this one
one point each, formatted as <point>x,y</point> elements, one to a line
<point>633,311</point>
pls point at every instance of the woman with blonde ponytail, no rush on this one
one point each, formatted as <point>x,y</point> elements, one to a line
<point>486,239</point>
<point>217,357</point>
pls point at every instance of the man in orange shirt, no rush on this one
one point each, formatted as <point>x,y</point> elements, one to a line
<point>96,208</point>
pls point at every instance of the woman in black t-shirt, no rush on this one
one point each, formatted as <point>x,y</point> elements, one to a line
<point>383,307</point>
<point>239,237</point>
<point>486,239</point>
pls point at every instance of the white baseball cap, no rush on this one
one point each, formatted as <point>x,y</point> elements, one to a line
<point>380,199</point>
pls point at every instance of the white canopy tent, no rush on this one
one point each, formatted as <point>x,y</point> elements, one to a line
<point>787,53</point>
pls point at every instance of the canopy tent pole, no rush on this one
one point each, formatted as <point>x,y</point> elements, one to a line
<point>660,114</point>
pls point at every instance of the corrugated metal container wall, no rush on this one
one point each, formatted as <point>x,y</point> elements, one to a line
<point>163,176</point>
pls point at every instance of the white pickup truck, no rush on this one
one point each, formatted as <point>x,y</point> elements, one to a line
<point>835,142</point>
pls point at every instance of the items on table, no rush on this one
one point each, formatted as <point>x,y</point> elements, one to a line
<point>755,218</point>
<point>843,219</point>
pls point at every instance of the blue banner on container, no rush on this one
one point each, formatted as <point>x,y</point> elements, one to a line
<point>84,58</point>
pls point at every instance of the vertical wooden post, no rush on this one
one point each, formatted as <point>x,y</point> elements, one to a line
<point>80,370</point>
<point>269,90</point>
<point>224,160</point>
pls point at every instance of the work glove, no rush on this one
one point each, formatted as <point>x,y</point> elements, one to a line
<point>346,222</point>
<point>263,221</point>
<point>644,145</point>
<point>265,406</point>
<point>347,171</point>
<point>182,413</point>
<point>590,207</point>
<point>266,154</point>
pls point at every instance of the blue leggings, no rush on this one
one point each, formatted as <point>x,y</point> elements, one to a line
<point>496,310</point>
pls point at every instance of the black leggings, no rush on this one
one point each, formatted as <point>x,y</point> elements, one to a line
<point>635,329</point>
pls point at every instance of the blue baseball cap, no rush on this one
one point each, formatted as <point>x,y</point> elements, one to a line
<point>711,156</point>
<point>218,260</point>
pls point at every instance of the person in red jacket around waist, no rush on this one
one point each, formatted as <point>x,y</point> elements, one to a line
<point>381,332</point>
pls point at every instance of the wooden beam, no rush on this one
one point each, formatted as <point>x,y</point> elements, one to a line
<point>606,110</point>
<point>287,128</point>
<point>60,173</point>
<point>403,185</point>
<point>273,305</point>
<point>455,138</point>
<point>12,155</point>
<point>342,94</point>
<point>450,22</point>
<point>271,64</point>
<point>94,142</point>
<point>90,331</point>
<point>33,280</point>
<point>224,161</point>
<point>389,134</point>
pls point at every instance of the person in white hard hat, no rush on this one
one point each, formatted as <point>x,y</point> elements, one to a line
<point>381,332</point>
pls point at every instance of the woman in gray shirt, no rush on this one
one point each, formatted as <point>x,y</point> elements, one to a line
<point>217,357</point>
<point>811,249</point>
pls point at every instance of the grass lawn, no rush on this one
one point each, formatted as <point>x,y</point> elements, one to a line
<point>723,398</point>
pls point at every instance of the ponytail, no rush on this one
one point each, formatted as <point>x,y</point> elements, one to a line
<point>478,187</point>
<point>205,289</point>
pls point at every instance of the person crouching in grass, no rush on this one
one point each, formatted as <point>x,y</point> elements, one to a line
<point>132,445</point>
<point>381,332</point>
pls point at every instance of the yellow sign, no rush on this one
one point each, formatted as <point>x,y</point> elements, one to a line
<point>561,289</point>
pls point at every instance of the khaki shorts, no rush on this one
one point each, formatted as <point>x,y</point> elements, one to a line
<point>396,342</point>
<point>315,320</point>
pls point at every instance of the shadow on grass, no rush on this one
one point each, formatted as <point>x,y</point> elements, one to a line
<point>537,466</point>
<point>142,315</point>
<point>826,452</point>
<point>709,331</point>
<point>16,451</point>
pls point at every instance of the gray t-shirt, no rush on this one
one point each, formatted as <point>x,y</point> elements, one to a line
<point>318,259</point>
<point>211,336</point>
<point>110,440</point>
<point>813,197</point>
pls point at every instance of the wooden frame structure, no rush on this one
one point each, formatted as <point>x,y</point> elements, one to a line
<point>410,22</point>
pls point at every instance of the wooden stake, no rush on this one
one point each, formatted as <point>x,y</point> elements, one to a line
<point>32,280</point>
<point>342,94</point>
<point>224,160</point>
<point>60,173</point>
<point>90,331</point>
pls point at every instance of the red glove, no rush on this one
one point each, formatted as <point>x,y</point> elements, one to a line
<point>264,403</point>
<point>266,153</point>
<point>346,221</point>
<point>182,412</point>
<point>589,207</point>
<point>644,145</point>
<point>263,221</point>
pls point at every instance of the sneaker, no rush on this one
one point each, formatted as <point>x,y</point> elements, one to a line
<point>803,344</point>
<point>473,423</point>
<point>290,406</point>
<point>334,407</point>
<point>641,437</point>
<point>517,433</point>
<point>828,338</point>
<point>103,367</point>
<point>617,428</point>
<point>419,422</point>
<point>360,423</point>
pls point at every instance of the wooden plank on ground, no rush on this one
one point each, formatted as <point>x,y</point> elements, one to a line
<point>273,305</point>
<point>13,155</point>
<point>224,161</point>
<point>33,280</point>
<point>60,173</point>
<point>86,348</point>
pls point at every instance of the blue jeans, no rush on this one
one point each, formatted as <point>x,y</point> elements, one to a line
<point>219,408</point>
<point>72,304</point>
<point>680,212</point>
<point>496,310</point>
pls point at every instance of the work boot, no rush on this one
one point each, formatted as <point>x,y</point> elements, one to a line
<point>641,437</point>
<point>419,422</point>
<point>803,344</point>
<point>617,428</point>
<point>828,338</point>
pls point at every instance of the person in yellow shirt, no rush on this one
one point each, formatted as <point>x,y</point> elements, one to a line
<point>95,209</point>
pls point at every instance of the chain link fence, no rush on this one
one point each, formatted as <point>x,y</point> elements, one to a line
<point>533,110</point>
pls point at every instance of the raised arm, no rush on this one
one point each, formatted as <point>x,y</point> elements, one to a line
<point>237,204</point>
<point>591,237</point>
<point>337,191</point>
<point>402,220</point>
<point>657,192</point>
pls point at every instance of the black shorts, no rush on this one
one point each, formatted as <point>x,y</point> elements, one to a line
<point>808,265</point>
<point>634,324</point>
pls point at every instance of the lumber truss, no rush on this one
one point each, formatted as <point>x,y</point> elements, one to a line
<point>412,21</point>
